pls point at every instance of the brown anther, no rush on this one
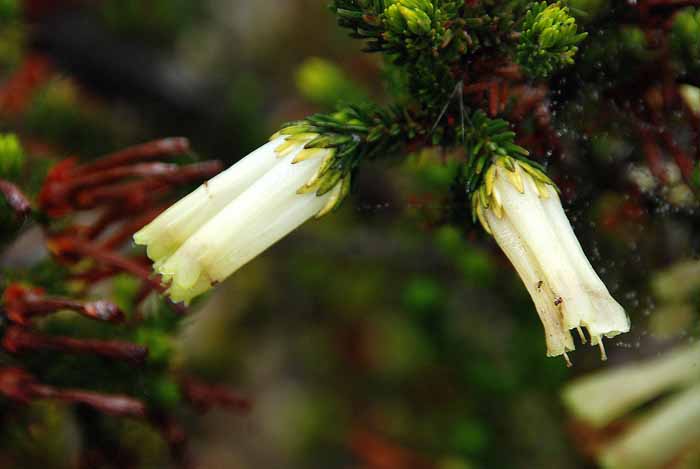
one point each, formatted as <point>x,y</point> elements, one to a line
<point>103,311</point>
<point>558,301</point>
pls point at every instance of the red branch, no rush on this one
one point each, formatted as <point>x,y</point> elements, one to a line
<point>18,339</point>
<point>20,386</point>
<point>23,303</point>
<point>146,151</point>
<point>204,396</point>
<point>74,249</point>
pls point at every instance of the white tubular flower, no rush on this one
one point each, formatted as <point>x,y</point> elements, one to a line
<point>660,435</point>
<point>657,439</point>
<point>605,396</point>
<point>235,216</point>
<point>520,207</point>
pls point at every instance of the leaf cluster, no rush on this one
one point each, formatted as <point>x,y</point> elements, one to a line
<point>548,40</point>
<point>685,39</point>
<point>488,139</point>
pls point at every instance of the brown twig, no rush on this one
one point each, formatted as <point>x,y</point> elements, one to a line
<point>19,340</point>
<point>204,396</point>
<point>20,386</point>
<point>23,303</point>
<point>155,149</point>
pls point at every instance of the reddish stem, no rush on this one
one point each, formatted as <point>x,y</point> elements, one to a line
<point>125,233</point>
<point>204,396</point>
<point>164,147</point>
<point>127,195</point>
<point>20,386</point>
<point>116,405</point>
<point>77,248</point>
<point>18,339</point>
<point>24,303</point>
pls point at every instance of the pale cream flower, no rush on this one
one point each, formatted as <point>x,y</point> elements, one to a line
<point>520,207</point>
<point>229,220</point>
<point>660,435</point>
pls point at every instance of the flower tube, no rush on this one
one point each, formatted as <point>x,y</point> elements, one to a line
<point>518,204</point>
<point>229,220</point>
<point>653,442</point>
<point>602,397</point>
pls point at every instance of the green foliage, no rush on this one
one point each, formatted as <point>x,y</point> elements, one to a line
<point>11,163</point>
<point>431,47</point>
<point>11,156</point>
<point>425,38</point>
<point>353,134</point>
<point>324,83</point>
<point>487,139</point>
<point>588,10</point>
<point>53,441</point>
<point>548,39</point>
<point>423,295</point>
<point>363,18</point>
<point>56,114</point>
<point>157,21</point>
<point>685,38</point>
<point>409,17</point>
<point>9,10</point>
<point>11,33</point>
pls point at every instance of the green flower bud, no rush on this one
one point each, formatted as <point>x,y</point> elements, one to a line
<point>414,16</point>
<point>418,21</point>
<point>395,20</point>
<point>548,39</point>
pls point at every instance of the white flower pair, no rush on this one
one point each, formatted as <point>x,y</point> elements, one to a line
<point>235,216</point>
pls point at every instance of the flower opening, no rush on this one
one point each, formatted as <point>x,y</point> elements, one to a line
<point>519,205</point>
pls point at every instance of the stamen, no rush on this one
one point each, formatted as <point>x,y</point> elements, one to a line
<point>580,334</point>
<point>603,355</point>
<point>568,362</point>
